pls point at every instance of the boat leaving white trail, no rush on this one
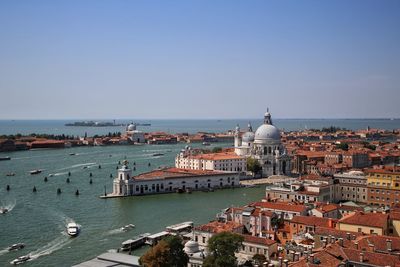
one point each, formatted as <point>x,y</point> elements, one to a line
<point>9,206</point>
<point>51,247</point>
<point>3,251</point>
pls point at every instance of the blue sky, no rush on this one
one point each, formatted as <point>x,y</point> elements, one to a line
<point>199,59</point>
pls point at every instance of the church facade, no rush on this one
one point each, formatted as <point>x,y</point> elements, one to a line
<point>265,146</point>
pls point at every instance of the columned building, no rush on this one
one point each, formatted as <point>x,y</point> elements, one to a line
<point>264,145</point>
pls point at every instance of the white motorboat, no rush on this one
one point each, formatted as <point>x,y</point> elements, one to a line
<point>3,210</point>
<point>21,259</point>
<point>35,172</point>
<point>17,246</point>
<point>127,227</point>
<point>73,229</point>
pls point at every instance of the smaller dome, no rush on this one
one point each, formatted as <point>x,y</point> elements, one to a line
<point>191,247</point>
<point>248,137</point>
<point>131,127</point>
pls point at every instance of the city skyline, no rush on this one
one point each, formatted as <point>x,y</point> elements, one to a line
<point>199,60</point>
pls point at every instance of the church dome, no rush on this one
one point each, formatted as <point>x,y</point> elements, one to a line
<point>248,137</point>
<point>267,132</point>
<point>191,247</point>
<point>131,127</point>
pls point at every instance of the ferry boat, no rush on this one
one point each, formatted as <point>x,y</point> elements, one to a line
<point>15,247</point>
<point>5,158</point>
<point>179,228</point>
<point>73,229</point>
<point>154,238</point>
<point>35,172</point>
<point>21,259</point>
<point>158,154</point>
<point>136,242</point>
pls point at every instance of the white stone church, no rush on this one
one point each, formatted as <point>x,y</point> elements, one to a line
<point>264,145</point>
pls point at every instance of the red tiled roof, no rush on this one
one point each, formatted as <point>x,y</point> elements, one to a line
<point>218,227</point>
<point>258,240</point>
<point>313,221</point>
<point>280,206</point>
<point>379,220</point>
<point>174,173</point>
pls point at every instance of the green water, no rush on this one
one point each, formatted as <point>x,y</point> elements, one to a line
<point>39,219</point>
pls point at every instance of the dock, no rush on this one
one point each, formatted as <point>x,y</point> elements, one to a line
<point>111,259</point>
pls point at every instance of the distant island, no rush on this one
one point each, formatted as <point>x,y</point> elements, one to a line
<point>101,124</point>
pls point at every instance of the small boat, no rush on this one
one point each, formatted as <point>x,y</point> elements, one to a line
<point>206,144</point>
<point>5,158</point>
<point>10,174</point>
<point>21,259</point>
<point>72,154</point>
<point>15,247</point>
<point>51,175</point>
<point>35,172</point>
<point>158,154</point>
<point>73,229</point>
<point>85,167</point>
<point>3,210</point>
<point>180,191</point>
<point>127,227</point>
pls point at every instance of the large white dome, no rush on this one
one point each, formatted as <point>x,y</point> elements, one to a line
<point>267,132</point>
<point>248,137</point>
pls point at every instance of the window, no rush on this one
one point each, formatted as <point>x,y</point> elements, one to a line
<point>204,239</point>
<point>359,230</point>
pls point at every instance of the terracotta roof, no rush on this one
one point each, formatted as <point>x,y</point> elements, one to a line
<point>218,156</point>
<point>169,173</point>
<point>327,208</point>
<point>280,206</point>
<point>313,221</point>
<point>218,227</point>
<point>379,220</point>
<point>258,240</point>
<point>380,242</point>
<point>323,258</point>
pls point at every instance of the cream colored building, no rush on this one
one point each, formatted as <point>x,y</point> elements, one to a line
<point>224,161</point>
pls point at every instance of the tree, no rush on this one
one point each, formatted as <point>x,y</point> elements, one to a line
<point>259,259</point>
<point>157,256</point>
<point>343,146</point>
<point>177,257</point>
<point>222,248</point>
<point>253,165</point>
<point>168,252</point>
<point>216,149</point>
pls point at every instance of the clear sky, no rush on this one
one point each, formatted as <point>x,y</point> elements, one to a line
<point>199,59</point>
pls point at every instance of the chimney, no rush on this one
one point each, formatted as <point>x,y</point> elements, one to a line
<point>333,240</point>
<point>361,256</point>
<point>291,255</point>
<point>285,263</point>
<point>371,247</point>
<point>389,245</point>
<point>324,243</point>
<point>356,244</point>
<point>341,242</point>
<point>329,239</point>
<point>306,255</point>
<point>348,236</point>
<point>312,258</point>
<point>297,256</point>
<point>271,265</point>
<point>354,237</point>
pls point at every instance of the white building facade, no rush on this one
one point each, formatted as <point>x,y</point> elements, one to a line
<point>135,135</point>
<point>264,145</point>
<point>170,180</point>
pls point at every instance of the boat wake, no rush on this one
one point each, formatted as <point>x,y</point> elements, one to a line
<point>115,231</point>
<point>58,242</point>
<point>78,165</point>
<point>51,247</point>
<point>3,251</point>
<point>9,206</point>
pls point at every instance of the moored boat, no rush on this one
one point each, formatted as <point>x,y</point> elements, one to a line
<point>158,154</point>
<point>73,229</point>
<point>136,242</point>
<point>5,158</point>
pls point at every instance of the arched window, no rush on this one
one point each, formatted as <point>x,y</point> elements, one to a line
<point>265,151</point>
<point>269,150</point>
